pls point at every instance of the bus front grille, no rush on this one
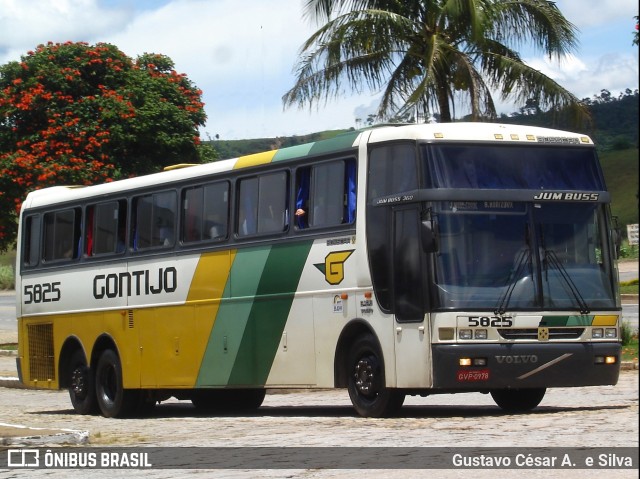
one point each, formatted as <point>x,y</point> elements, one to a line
<point>41,358</point>
<point>532,333</point>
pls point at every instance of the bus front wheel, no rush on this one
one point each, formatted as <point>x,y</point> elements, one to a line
<point>369,395</point>
<point>81,385</point>
<point>518,400</point>
<point>113,400</point>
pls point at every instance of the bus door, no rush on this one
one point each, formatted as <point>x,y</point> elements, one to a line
<point>412,331</point>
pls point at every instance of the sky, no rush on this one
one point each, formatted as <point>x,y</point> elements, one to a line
<point>242,53</point>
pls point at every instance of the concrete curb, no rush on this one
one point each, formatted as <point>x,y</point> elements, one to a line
<point>17,435</point>
<point>629,298</point>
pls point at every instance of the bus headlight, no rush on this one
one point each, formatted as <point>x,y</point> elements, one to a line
<point>465,334</point>
<point>611,333</point>
<point>597,333</point>
<point>480,334</point>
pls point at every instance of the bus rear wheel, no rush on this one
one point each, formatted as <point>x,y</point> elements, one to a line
<point>113,400</point>
<point>367,391</point>
<point>82,390</point>
<point>518,400</point>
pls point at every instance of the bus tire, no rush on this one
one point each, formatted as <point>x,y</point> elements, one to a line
<point>366,381</point>
<point>518,400</point>
<point>113,400</point>
<point>249,399</point>
<point>82,390</point>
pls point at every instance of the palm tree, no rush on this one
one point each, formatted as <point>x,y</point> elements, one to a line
<point>428,55</point>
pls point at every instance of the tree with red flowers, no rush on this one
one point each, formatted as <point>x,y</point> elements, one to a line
<point>79,114</point>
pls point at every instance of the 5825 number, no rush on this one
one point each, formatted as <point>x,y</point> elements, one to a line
<point>493,321</point>
<point>42,293</point>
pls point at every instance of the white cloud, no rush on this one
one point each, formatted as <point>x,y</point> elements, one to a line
<point>586,76</point>
<point>242,58</point>
<point>26,23</point>
<point>589,13</point>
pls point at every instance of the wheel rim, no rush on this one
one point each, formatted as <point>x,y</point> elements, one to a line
<point>366,376</point>
<point>79,382</point>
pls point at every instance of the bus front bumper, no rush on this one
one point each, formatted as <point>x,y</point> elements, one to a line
<point>498,366</point>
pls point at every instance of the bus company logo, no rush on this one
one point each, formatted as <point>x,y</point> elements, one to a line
<point>566,196</point>
<point>333,266</point>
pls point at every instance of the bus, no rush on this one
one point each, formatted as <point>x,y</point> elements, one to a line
<point>392,261</point>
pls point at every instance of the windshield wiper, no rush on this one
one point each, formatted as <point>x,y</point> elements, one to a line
<point>551,258</point>
<point>523,259</point>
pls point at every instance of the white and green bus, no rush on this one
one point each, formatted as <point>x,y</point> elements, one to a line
<point>394,261</point>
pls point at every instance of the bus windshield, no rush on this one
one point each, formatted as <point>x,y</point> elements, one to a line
<point>507,256</point>
<point>513,167</point>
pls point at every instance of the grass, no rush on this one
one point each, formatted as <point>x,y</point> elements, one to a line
<point>9,347</point>
<point>7,280</point>
<point>621,175</point>
<point>630,351</point>
<point>629,287</point>
<point>7,262</point>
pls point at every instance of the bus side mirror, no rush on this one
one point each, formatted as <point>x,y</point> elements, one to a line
<point>429,236</point>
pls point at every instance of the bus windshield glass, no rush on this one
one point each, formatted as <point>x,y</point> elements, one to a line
<point>510,256</point>
<point>529,167</point>
<point>513,255</point>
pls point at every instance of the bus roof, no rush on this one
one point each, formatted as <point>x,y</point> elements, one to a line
<point>478,132</point>
<point>467,131</point>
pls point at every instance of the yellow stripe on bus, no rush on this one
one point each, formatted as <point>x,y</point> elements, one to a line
<point>604,320</point>
<point>210,277</point>
<point>255,159</point>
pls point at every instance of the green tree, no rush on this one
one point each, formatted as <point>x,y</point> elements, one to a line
<point>429,55</point>
<point>78,114</point>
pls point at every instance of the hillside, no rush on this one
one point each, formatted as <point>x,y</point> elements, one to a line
<point>621,174</point>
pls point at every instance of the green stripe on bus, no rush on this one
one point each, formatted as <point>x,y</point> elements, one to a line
<point>262,335</point>
<point>292,152</point>
<point>233,314</point>
<point>575,320</point>
<point>340,142</point>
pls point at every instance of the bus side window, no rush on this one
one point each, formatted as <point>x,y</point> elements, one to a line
<point>216,211</point>
<point>262,204</point>
<point>272,202</point>
<point>105,228</point>
<point>326,194</point>
<point>205,212</point>
<point>62,235</point>
<point>31,242</point>
<point>154,221</point>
